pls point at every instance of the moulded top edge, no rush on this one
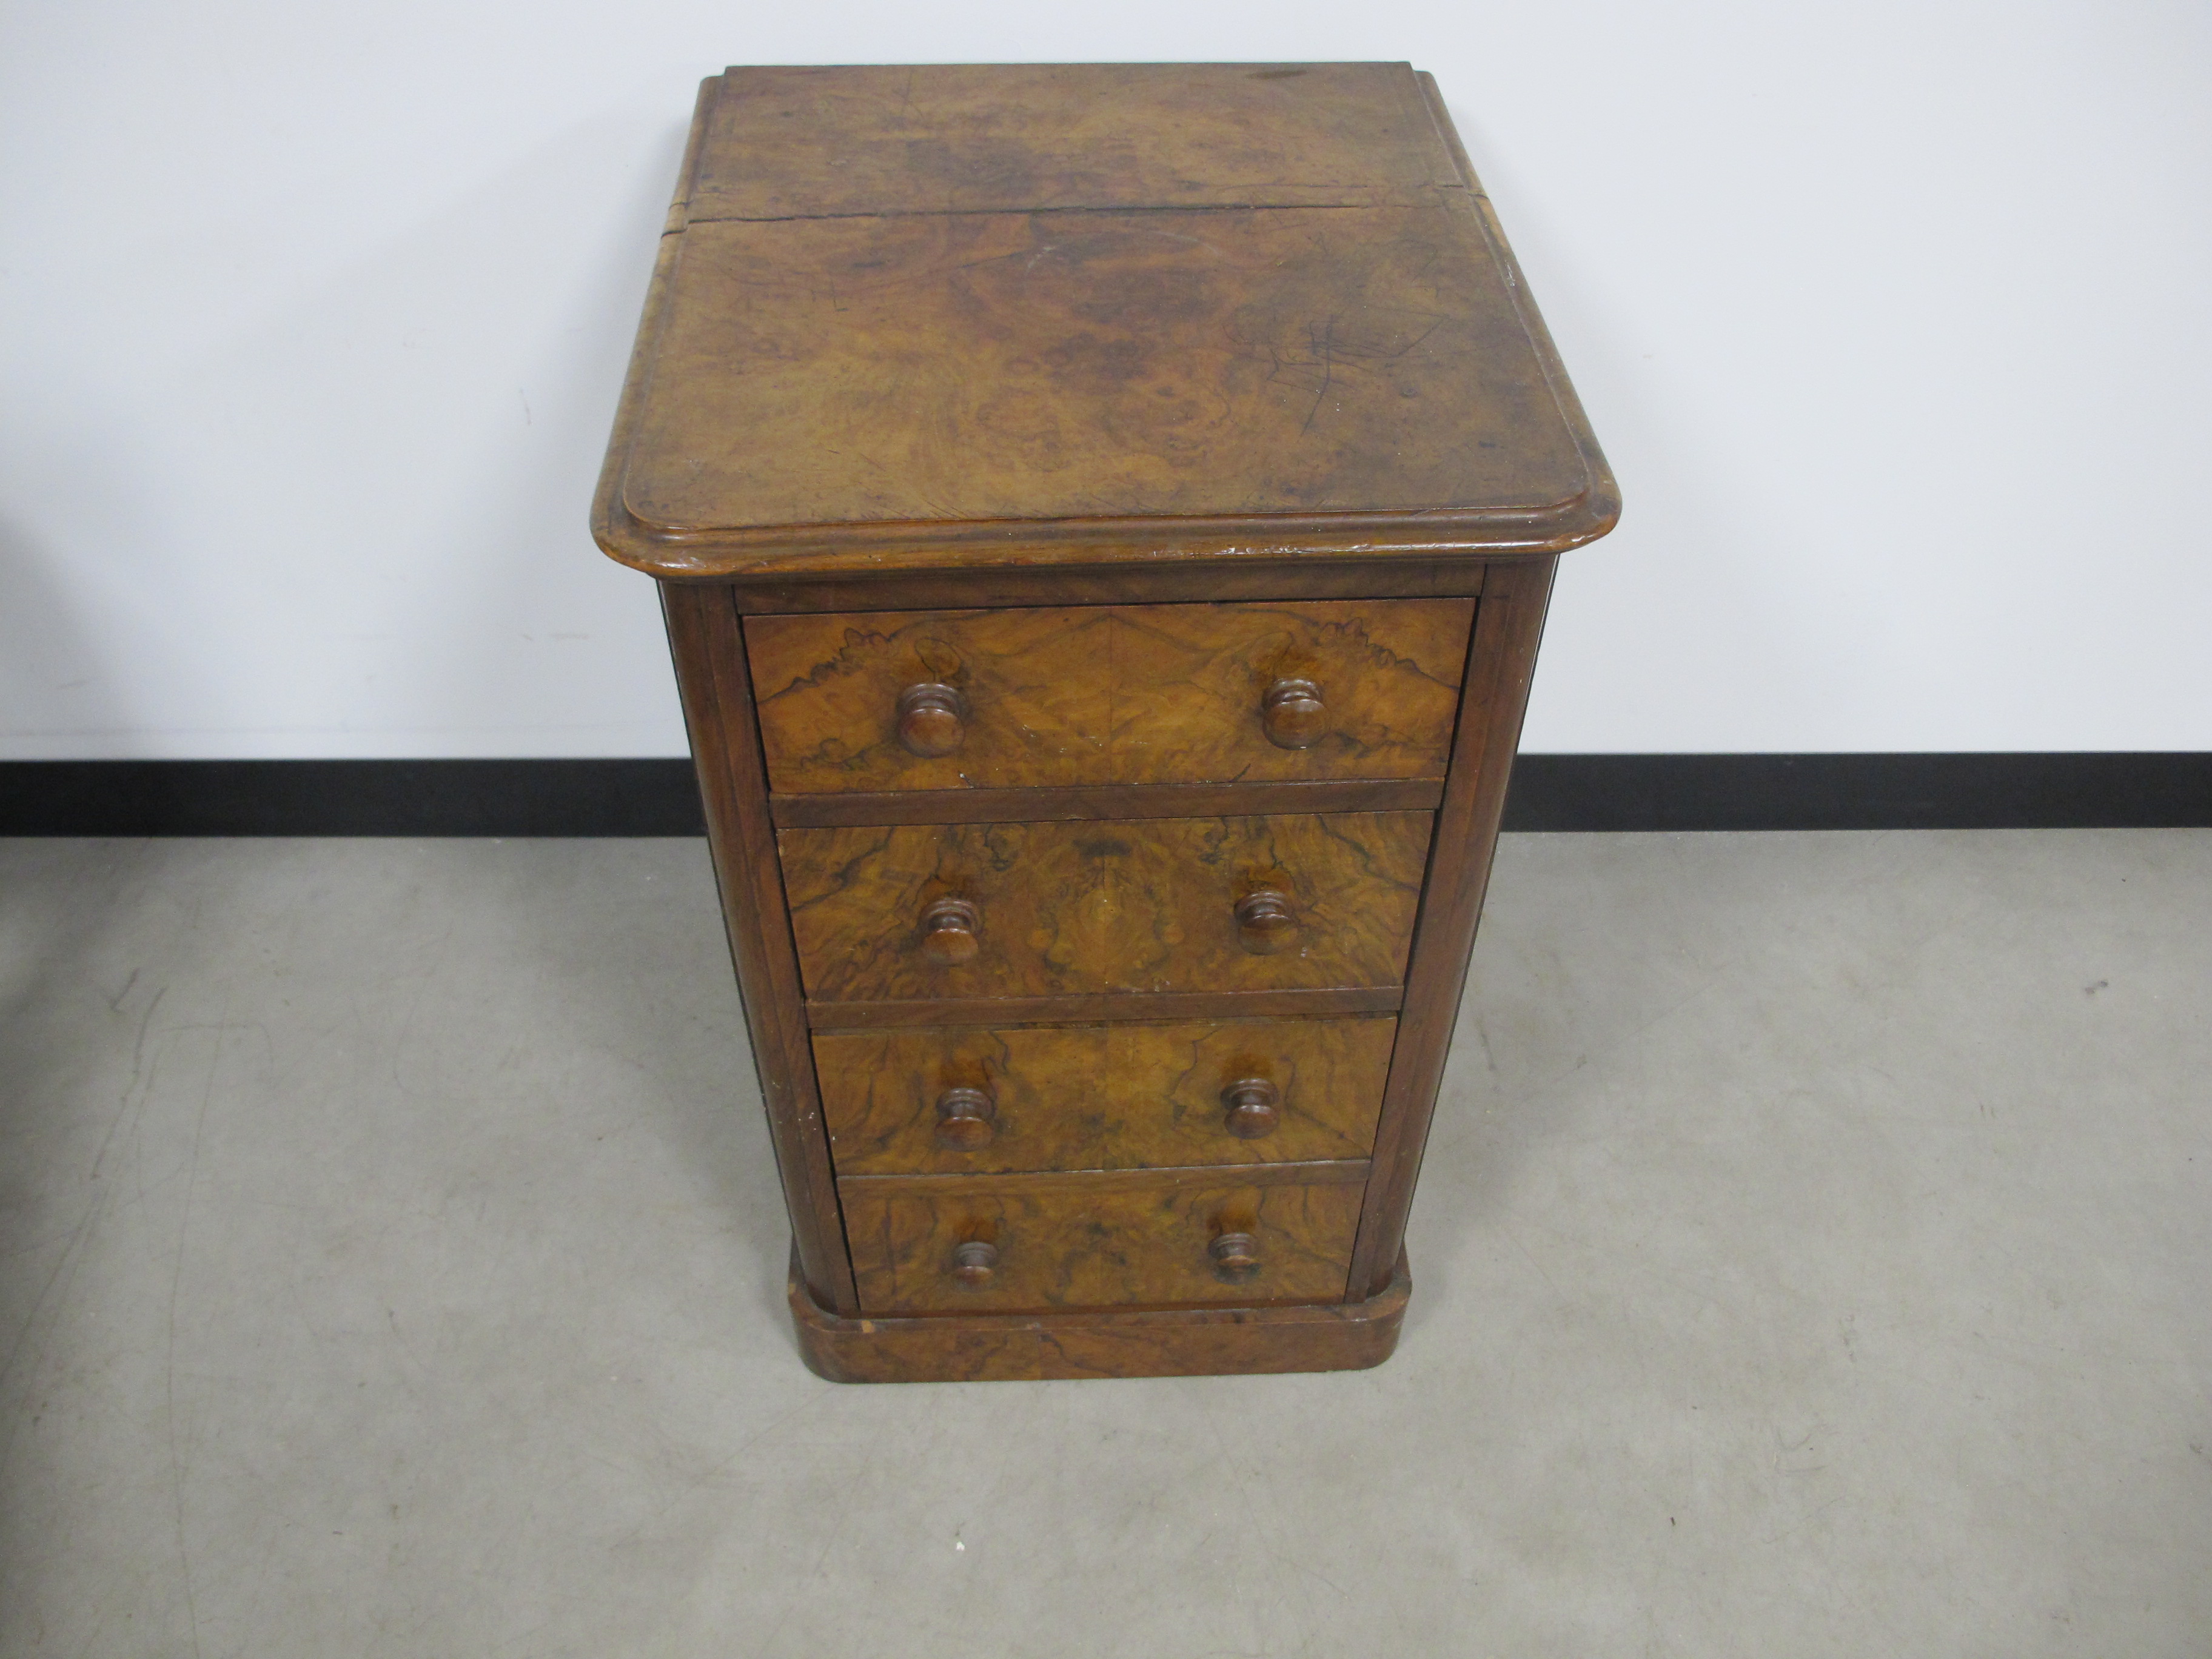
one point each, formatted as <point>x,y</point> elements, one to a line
<point>807,551</point>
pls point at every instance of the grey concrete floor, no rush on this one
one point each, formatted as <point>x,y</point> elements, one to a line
<point>1812,1259</point>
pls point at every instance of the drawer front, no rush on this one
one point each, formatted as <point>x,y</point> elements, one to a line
<point>976,1099</point>
<point>1129,694</point>
<point>1198,689</point>
<point>1080,1244</point>
<point>1299,901</point>
<point>827,690</point>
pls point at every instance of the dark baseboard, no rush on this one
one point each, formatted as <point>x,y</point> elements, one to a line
<point>350,798</point>
<point>1550,792</point>
<point>2036,790</point>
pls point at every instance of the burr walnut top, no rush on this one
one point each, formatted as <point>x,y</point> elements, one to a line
<point>951,317</point>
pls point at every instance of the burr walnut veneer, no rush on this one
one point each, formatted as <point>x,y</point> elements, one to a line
<point>1104,517</point>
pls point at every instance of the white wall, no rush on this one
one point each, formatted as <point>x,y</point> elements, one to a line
<point>1893,316</point>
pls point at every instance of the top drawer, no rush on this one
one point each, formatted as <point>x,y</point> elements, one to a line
<point>1350,689</point>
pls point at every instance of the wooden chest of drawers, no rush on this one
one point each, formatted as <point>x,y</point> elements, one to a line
<point>1104,517</point>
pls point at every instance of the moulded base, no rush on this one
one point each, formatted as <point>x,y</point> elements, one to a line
<point>1335,1336</point>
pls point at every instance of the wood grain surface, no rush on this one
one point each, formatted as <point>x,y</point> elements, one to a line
<point>1187,683</point>
<point>1087,1242</point>
<point>1113,451</point>
<point>710,671</point>
<point>1145,332</point>
<point>1035,682</point>
<point>1102,1096</point>
<point>1157,1006</point>
<point>1112,800</point>
<point>1120,694</point>
<point>1073,909</point>
<point>1197,570</point>
<point>1503,665</point>
<point>963,138</point>
<point>1016,366</point>
<point>988,1347</point>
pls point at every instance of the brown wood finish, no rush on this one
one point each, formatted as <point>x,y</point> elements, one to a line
<point>1035,685</point>
<point>1128,695</point>
<point>1191,685</point>
<point>710,671</point>
<point>1181,575</point>
<point>1112,1004</point>
<point>1327,1172</point>
<point>1359,375</point>
<point>1603,505</point>
<point>1070,908</point>
<point>967,139</point>
<point>1504,661</point>
<point>982,1347</point>
<point>1144,801</point>
<point>1296,361</point>
<point>1105,462</point>
<point>1088,1241</point>
<point>1103,1096</point>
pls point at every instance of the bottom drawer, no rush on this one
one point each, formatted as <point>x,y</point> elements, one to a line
<point>1022,1244</point>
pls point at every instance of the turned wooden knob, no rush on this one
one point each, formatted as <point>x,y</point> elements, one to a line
<point>1293,716</point>
<point>963,1119</point>
<point>1235,1257</point>
<point>1265,921</point>
<point>1252,1104</point>
<point>948,927</point>
<point>933,718</point>
<point>973,1263</point>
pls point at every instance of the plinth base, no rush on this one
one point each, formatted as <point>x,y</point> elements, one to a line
<point>1336,1336</point>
